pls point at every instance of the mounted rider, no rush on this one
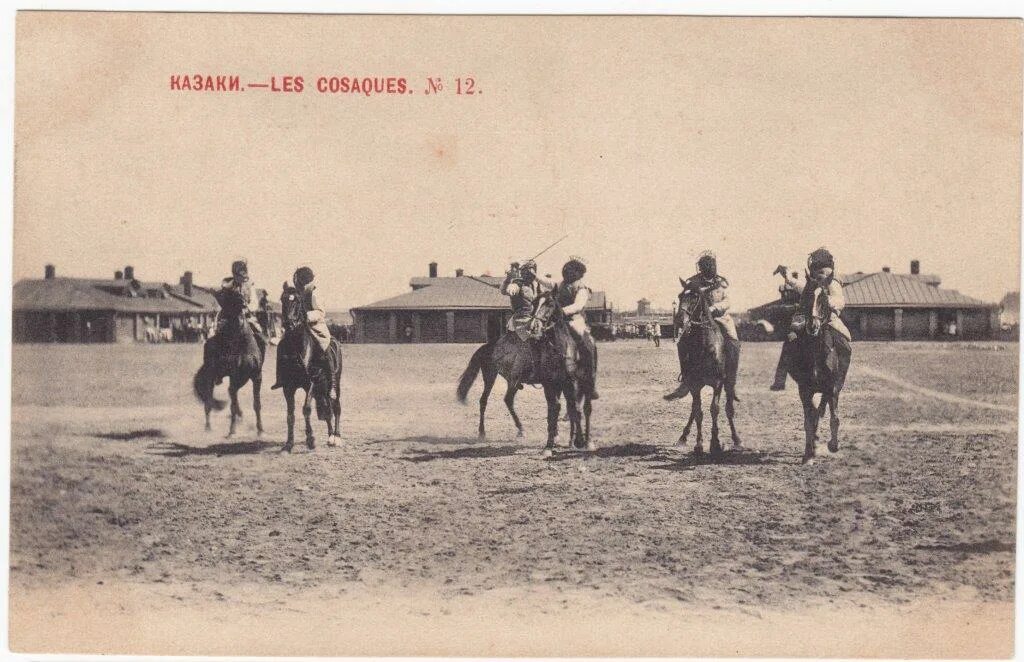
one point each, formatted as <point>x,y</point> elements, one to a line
<point>572,296</point>
<point>522,288</point>
<point>239,284</point>
<point>821,281</point>
<point>707,283</point>
<point>315,323</point>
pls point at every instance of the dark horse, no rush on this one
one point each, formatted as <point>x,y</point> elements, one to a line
<point>704,352</point>
<point>299,363</point>
<point>819,362</point>
<point>234,353</point>
<point>512,358</point>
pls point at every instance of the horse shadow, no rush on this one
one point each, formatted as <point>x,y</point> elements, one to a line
<point>174,449</point>
<point>464,453</point>
<point>729,457</point>
<point>429,440</point>
<point>131,435</point>
<point>606,452</point>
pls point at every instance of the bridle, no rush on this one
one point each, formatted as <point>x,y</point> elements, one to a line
<point>292,308</point>
<point>693,310</point>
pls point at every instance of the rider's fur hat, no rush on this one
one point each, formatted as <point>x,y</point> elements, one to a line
<point>821,258</point>
<point>575,264</point>
<point>707,262</point>
<point>239,266</point>
<point>303,277</point>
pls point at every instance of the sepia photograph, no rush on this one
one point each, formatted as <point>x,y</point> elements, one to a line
<point>514,335</point>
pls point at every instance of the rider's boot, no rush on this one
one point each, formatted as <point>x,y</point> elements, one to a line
<point>782,369</point>
<point>683,389</point>
<point>732,362</point>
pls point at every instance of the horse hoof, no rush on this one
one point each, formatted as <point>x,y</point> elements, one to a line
<point>481,437</point>
<point>590,447</point>
<point>547,452</point>
<point>519,434</point>
<point>287,448</point>
<point>833,447</point>
<point>698,451</point>
<point>808,460</point>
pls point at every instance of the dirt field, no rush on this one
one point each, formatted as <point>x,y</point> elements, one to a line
<point>413,530</point>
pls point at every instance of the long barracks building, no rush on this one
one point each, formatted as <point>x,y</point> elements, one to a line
<point>460,308</point>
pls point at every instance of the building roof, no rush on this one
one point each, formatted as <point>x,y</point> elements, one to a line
<point>884,289</point>
<point>75,294</point>
<point>888,289</point>
<point>201,296</point>
<point>458,293</point>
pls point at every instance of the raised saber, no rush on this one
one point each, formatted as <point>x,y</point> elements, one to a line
<point>564,237</point>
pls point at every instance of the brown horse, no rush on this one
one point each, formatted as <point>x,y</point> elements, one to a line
<point>512,358</point>
<point>709,362</point>
<point>299,367</point>
<point>235,353</point>
<point>819,361</point>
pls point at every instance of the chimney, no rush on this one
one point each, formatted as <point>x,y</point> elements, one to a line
<point>433,269</point>
<point>458,273</point>
<point>186,280</point>
<point>118,275</point>
<point>129,273</point>
<point>50,272</point>
<point>886,269</point>
<point>915,267</point>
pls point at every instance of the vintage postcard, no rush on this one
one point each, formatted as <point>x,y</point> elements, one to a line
<point>746,290</point>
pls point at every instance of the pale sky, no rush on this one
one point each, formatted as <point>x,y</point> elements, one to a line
<point>645,139</point>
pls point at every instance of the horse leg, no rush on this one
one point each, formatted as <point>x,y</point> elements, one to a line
<point>289,401</point>
<point>489,377</point>
<point>256,383</point>
<point>833,404</point>
<point>336,408</point>
<point>689,423</point>
<point>716,445</point>
<point>698,417</point>
<point>551,396</point>
<point>810,423</point>
<point>730,413</point>
<point>236,409</point>
<point>586,416</point>
<point>306,411</point>
<point>510,400</point>
<point>575,429</point>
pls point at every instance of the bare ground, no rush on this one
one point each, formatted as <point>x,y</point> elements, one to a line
<point>115,482</point>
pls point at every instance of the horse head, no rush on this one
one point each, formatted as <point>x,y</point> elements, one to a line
<point>818,313</point>
<point>545,310</point>
<point>692,310</point>
<point>292,314</point>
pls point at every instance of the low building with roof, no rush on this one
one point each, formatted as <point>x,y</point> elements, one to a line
<point>109,310</point>
<point>884,305</point>
<point>459,308</point>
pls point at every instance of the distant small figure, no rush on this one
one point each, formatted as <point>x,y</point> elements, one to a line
<point>408,333</point>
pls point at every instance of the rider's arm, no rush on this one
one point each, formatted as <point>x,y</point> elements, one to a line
<point>579,303</point>
<point>505,284</point>
<point>545,283</point>
<point>721,306</point>
<point>834,296</point>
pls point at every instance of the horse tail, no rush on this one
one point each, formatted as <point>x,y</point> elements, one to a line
<point>202,384</point>
<point>471,371</point>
